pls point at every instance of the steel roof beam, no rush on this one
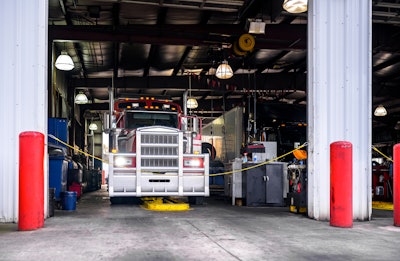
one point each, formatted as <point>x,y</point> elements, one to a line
<point>279,36</point>
<point>277,81</point>
<point>387,5</point>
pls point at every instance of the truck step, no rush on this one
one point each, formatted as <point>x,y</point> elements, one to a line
<point>164,204</point>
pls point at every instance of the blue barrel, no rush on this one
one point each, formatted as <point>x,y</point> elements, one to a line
<point>68,200</point>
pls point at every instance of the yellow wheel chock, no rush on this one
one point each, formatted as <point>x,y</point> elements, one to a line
<point>164,204</point>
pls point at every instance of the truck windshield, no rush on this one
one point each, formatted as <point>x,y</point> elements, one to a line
<point>136,119</point>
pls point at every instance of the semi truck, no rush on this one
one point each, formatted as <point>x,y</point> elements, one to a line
<point>154,150</point>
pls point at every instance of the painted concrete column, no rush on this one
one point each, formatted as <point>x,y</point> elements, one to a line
<point>23,98</point>
<point>339,98</point>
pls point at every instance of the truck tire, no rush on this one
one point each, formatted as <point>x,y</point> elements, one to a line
<point>208,148</point>
<point>116,200</point>
<point>125,200</point>
<point>196,200</point>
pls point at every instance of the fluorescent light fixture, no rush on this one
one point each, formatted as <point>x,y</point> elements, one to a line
<point>380,111</point>
<point>92,126</point>
<point>191,103</point>
<point>256,26</point>
<point>81,98</point>
<point>295,6</point>
<point>64,62</point>
<point>224,71</point>
<point>245,71</point>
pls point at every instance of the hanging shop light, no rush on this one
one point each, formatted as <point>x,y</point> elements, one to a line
<point>224,71</point>
<point>380,111</point>
<point>92,126</point>
<point>64,62</point>
<point>295,6</point>
<point>192,103</point>
<point>81,98</point>
<point>211,71</point>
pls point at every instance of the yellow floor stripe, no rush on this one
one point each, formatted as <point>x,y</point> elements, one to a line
<point>382,205</point>
<point>294,209</point>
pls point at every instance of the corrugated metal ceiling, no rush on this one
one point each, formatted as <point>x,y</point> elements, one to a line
<point>150,47</point>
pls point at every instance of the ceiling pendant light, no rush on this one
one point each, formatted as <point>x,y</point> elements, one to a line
<point>81,98</point>
<point>211,71</point>
<point>295,6</point>
<point>92,126</point>
<point>192,103</point>
<point>380,111</point>
<point>224,71</point>
<point>64,62</point>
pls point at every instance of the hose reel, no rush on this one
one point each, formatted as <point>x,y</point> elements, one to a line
<point>244,44</point>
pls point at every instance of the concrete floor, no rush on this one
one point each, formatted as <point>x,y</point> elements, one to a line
<point>97,230</point>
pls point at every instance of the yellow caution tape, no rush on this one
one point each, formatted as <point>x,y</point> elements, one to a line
<point>221,173</point>
<point>261,164</point>
<point>75,149</point>
<point>387,157</point>
<point>282,156</point>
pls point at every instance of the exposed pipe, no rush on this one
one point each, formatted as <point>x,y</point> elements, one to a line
<point>112,89</point>
<point>111,103</point>
<point>92,134</point>
<point>62,7</point>
<point>185,97</point>
<point>255,108</point>
<point>248,112</point>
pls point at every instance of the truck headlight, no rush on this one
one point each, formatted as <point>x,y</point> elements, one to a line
<point>195,163</point>
<point>122,161</point>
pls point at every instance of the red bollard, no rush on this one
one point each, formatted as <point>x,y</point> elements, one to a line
<point>341,203</point>
<point>31,181</point>
<point>396,184</point>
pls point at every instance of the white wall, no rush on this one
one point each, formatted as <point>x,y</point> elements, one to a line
<point>23,92</point>
<point>339,99</point>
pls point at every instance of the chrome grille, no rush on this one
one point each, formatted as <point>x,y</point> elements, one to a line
<point>159,139</point>
<point>159,150</point>
<point>162,151</point>
<point>159,163</point>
